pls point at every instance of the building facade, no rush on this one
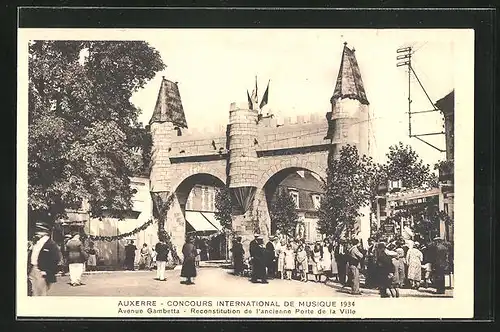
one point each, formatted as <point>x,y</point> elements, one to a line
<point>306,190</point>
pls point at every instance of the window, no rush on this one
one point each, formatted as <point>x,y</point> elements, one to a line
<point>295,197</point>
<point>205,198</point>
<point>316,198</point>
<point>189,201</point>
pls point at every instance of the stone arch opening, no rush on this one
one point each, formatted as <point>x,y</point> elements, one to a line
<point>196,197</point>
<point>306,187</point>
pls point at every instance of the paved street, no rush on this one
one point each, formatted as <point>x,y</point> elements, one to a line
<point>211,281</point>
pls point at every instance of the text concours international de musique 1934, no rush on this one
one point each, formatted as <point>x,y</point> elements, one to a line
<point>228,308</point>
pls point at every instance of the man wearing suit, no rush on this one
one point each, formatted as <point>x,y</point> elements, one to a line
<point>43,261</point>
<point>254,248</point>
<point>161,249</point>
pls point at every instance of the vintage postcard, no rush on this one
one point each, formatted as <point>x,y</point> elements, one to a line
<point>245,173</point>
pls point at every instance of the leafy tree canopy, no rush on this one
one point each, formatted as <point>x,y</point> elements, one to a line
<point>84,135</point>
<point>348,188</point>
<point>283,213</point>
<point>223,208</point>
<point>403,163</point>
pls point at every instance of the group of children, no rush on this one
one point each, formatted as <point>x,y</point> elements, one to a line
<point>296,259</point>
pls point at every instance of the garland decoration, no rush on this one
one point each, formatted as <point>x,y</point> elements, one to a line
<point>120,236</point>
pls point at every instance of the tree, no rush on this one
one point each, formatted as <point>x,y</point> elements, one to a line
<point>347,189</point>
<point>283,213</point>
<point>82,125</point>
<point>404,164</point>
<point>223,208</point>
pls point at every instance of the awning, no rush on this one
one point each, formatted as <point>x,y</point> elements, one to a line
<point>210,216</point>
<point>198,221</point>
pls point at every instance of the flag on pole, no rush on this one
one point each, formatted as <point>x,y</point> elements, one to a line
<point>255,95</point>
<point>250,103</point>
<point>265,97</point>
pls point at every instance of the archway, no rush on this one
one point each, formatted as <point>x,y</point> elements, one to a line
<point>196,197</point>
<point>306,188</point>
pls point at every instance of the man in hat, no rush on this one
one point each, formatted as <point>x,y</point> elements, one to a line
<point>253,247</point>
<point>130,250</point>
<point>439,262</point>
<point>259,261</point>
<point>162,250</point>
<point>44,261</point>
<point>271,258</point>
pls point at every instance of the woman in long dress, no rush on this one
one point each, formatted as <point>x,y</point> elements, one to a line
<point>281,260</point>
<point>335,268</point>
<point>289,262</point>
<point>414,258</point>
<point>317,268</point>
<point>326,262</point>
<point>302,264</point>
<point>188,270</point>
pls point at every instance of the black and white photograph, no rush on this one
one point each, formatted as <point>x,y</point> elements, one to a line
<point>245,172</point>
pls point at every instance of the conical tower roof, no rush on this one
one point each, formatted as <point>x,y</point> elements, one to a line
<point>169,105</point>
<point>349,81</point>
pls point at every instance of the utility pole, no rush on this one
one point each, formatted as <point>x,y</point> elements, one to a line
<point>405,60</point>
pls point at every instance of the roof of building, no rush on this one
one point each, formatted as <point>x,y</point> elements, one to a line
<point>447,103</point>
<point>306,187</point>
<point>349,82</point>
<point>169,105</point>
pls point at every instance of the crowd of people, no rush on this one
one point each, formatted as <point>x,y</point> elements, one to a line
<point>386,264</point>
<point>46,259</point>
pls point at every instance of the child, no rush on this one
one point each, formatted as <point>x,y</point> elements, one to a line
<point>302,263</point>
<point>289,262</point>
<point>153,259</point>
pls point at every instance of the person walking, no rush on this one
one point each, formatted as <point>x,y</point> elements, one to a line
<point>238,255</point>
<point>354,261</point>
<point>414,258</point>
<point>188,270</point>
<point>161,258</point>
<point>44,260</point>
<point>130,250</point>
<point>76,259</point>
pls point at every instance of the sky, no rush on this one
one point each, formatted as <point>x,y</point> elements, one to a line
<point>215,68</point>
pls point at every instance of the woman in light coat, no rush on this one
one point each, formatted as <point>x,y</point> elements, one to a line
<point>326,262</point>
<point>414,258</point>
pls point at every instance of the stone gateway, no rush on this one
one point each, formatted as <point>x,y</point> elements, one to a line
<point>253,153</point>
